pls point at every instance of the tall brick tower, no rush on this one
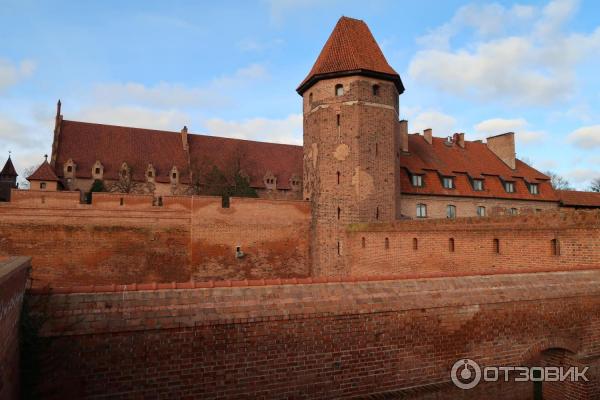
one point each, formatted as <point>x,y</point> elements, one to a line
<point>351,141</point>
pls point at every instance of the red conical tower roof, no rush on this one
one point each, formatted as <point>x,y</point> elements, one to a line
<point>351,50</point>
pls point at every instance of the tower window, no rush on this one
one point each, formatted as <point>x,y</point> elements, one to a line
<point>339,89</point>
<point>364,242</point>
<point>310,98</point>
<point>338,119</point>
<point>338,177</point>
<point>42,185</point>
<point>339,249</point>
<point>555,247</point>
<point>339,212</point>
<point>450,211</point>
<point>421,210</point>
<point>376,149</point>
<point>451,245</point>
<point>415,244</point>
<point>497,246</point>
<point>375,90</point>
<point>377,212</point>
<point>387,243</point>
<point>121,201</point>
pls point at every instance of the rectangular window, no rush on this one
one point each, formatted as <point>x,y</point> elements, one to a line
<point>513,211</point>
<point>533,188</point>
<point>97,171</point>
<point>450,211</point>
<point>42,185</point>
<point>421,210</point>
<point>477,184</point>
<point>481,211</point>
<point>448,182</point>
<point>509,187</point>
<point>417,180</point>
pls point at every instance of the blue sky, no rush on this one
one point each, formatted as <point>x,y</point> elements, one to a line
<point>231,69</point>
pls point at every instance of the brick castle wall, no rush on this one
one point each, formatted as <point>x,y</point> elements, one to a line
<point>472,246</point>
<point>187,238</point>
<point>13,278</point>
<point>317,341</point>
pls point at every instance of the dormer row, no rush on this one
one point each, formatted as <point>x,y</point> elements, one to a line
<point>477,184</point>
<point>70,169</point>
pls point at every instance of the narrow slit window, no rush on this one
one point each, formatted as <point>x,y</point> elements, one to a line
<point>338,177</point>
<point>338,120</point>
<point>339,248</point>
<point>364,242</point>
<point>339,212</point>
<point>497,246</point>
<point>387,243</point>
<point>376,149</point>
<point>120,201</point>
<point>415,244</point>
<point>451,245</point>
<point>375,90</point>
<point>377,213</point>
<point>555,247</point>
<point>310,98</point>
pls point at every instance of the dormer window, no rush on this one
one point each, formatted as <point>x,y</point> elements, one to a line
<point>69,168</point>
<point>97,171</point>
<point>150,174</point>
<point>533,188</point>
<point>174,175</point>
<point>375,90</point>
<point>448,182</point>
<point>417,180</point>
<point>339,90</point>
<point>478,184</point>
<point>509,187</point>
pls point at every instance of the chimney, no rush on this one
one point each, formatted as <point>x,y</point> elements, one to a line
<point>184,138</point>
<point>428,135</point>
<point>504,147</point>
<point>459,139</point>
<point>404,135</point>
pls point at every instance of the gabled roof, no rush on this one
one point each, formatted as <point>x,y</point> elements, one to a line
<point>575,198</point>
<point>85,143</point>
<point>350,50</point>
<point>8,170</point>
<point>474,161</point>
<point>43,173</point>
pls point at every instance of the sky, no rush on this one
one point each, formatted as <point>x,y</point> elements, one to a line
<point>230,68</point>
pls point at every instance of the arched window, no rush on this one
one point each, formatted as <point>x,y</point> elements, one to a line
<point>375,90</point>
<point>421,210</point>
<point>451,245</point>
<point>339,89</point>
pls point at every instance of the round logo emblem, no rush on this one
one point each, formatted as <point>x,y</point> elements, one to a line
<point>466,374</point>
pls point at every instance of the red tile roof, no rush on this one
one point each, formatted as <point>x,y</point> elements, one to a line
<point>256,158</point>
<point>474,161</point>
<point>351,49</point>
<point>9,169</point>
<point>575,198</point>
<point>43,173</point>
<point>112,145</point>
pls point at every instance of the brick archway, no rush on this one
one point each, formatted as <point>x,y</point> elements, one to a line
<point>534,353</point>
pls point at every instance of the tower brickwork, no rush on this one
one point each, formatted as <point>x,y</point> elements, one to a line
<point>351,145</point>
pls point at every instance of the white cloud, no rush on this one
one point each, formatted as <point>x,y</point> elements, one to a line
<point>287,130</point>
<point>441,124</point>
<point>11,74</point>
<point>135,116</point>
<point>587,137</point>
<point>536,67</point>
<point>580,176</point>
<point>254,45</point>
<point>519,126</point>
